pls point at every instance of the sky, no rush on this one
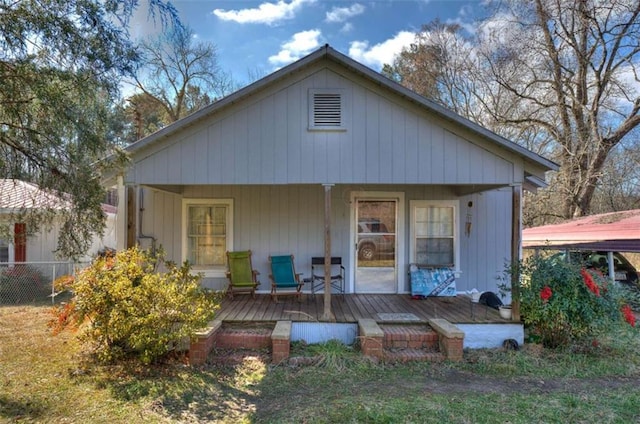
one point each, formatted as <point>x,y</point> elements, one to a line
<point>255,38</point>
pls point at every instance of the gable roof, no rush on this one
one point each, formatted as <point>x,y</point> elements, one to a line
<point>614,231</point>
<point>16,195</point>
<point>328,53</point>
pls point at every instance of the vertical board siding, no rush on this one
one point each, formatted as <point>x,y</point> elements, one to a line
<point>289,219</point>
<point>267,141</point>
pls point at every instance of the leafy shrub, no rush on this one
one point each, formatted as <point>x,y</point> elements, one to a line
<point>563,304</point>
<point>123,308</point>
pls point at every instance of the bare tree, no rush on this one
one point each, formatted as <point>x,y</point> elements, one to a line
<point>559,76</point>
<point>573,65</point>
<point>180,73</point>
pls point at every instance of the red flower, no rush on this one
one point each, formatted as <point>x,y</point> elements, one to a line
<point>545,293</point>
<point>588,280</point>
<point>628,315</point>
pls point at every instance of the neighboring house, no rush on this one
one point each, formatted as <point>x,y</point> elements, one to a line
<point>16,195</point>
<point>257,169</point>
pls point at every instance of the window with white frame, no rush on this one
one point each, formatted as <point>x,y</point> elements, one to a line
<point>326,109</point>
<point>434,233</point>
<point>208,225</point>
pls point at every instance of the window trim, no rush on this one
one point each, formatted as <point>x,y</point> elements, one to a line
<point>311,106</point>
<point>455,204</point>
<point>208,272</point>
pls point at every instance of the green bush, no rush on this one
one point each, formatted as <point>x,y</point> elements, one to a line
<point>563,304</point>
<point>124,308</point>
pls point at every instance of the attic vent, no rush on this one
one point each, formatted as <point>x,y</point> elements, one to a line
<point>326,110</point>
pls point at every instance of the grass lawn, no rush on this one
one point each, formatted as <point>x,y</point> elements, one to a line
<point>43,379</point>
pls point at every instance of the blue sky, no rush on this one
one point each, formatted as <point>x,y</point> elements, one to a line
<point>258,37</point>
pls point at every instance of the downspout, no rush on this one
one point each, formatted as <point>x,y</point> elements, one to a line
<point>140,212</point>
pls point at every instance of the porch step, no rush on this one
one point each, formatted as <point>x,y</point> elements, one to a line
<point>410,342</point>
<point>243,337</point>
<point>406,355</point>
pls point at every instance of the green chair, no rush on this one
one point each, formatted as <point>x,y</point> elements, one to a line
<point>242,277</point>
<point>283,277</point>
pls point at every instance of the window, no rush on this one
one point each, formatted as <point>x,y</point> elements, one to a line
<point>4,251</point>
<point>326,109</point>
<point>433,233</point>
<point>207,234</point>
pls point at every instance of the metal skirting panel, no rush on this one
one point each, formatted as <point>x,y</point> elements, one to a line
<point>321,332</point>
<point>478,336</point>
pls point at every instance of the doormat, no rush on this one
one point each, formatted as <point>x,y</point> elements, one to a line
<point>391,316</point>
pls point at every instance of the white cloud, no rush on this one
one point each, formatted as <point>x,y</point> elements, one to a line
<point>381,53</point>
<point>265,13</point>
<point>341,14</point>
<point>299,45</point>
<point>348,27</point>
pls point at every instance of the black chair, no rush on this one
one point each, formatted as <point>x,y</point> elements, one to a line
<point>337,274</point>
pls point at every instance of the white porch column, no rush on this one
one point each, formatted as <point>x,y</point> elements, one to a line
<point>121,215</point>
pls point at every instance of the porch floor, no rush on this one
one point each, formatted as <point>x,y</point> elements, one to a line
<point>349,308</point>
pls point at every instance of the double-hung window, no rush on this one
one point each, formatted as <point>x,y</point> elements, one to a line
<point>208,230</point>
<point>434,235</point>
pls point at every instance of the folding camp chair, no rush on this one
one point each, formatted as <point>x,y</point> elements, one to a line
<point>242,277</point>
<point>283,277</point>
<point>337,274</point>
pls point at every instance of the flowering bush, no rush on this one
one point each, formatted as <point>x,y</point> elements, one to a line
<point>563,304</point>
<point>124,308</point>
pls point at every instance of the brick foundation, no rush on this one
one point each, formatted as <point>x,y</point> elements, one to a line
<point>450,337</point>
<point>281,342</point>
<point>371,338</point>
<point>202,343</point>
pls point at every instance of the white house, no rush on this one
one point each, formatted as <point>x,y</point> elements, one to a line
<point>398,173</point>
<point>17,195</point>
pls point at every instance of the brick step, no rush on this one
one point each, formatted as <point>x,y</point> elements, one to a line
<point>409,337</point>
<point>407,355</point>
<point>243,338</point>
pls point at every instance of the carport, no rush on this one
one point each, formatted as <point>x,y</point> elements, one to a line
<point>608,232</point>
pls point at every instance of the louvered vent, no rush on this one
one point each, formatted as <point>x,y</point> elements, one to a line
<point>327,110</point>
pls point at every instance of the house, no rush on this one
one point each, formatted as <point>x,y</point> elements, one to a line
<point>403,180</point>
<point>19,245</point>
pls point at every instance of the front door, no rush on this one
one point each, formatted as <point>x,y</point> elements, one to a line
<point>376,245</point>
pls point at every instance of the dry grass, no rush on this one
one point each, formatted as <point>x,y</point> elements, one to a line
<point>42,382</point>
<point>41,379</point>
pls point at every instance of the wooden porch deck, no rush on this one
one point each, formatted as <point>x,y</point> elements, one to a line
<point>349,308</point>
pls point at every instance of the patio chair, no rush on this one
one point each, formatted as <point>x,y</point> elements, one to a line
<point>337,274</point>
<point>284,279</point>
<point>242,277</point>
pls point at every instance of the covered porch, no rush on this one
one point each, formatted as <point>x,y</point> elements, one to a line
<point>349,308</point>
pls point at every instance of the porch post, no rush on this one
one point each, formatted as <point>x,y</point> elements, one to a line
<point>327,315</point>
<point>516,236</point>
<point>121,215</point>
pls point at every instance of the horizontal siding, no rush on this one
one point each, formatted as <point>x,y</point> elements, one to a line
<point>289,219</point>
<point>266,141</point>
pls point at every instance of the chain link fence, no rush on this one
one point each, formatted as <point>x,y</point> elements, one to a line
<point>23,283</point>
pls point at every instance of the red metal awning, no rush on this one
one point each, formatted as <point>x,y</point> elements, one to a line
<point>614,231</point>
